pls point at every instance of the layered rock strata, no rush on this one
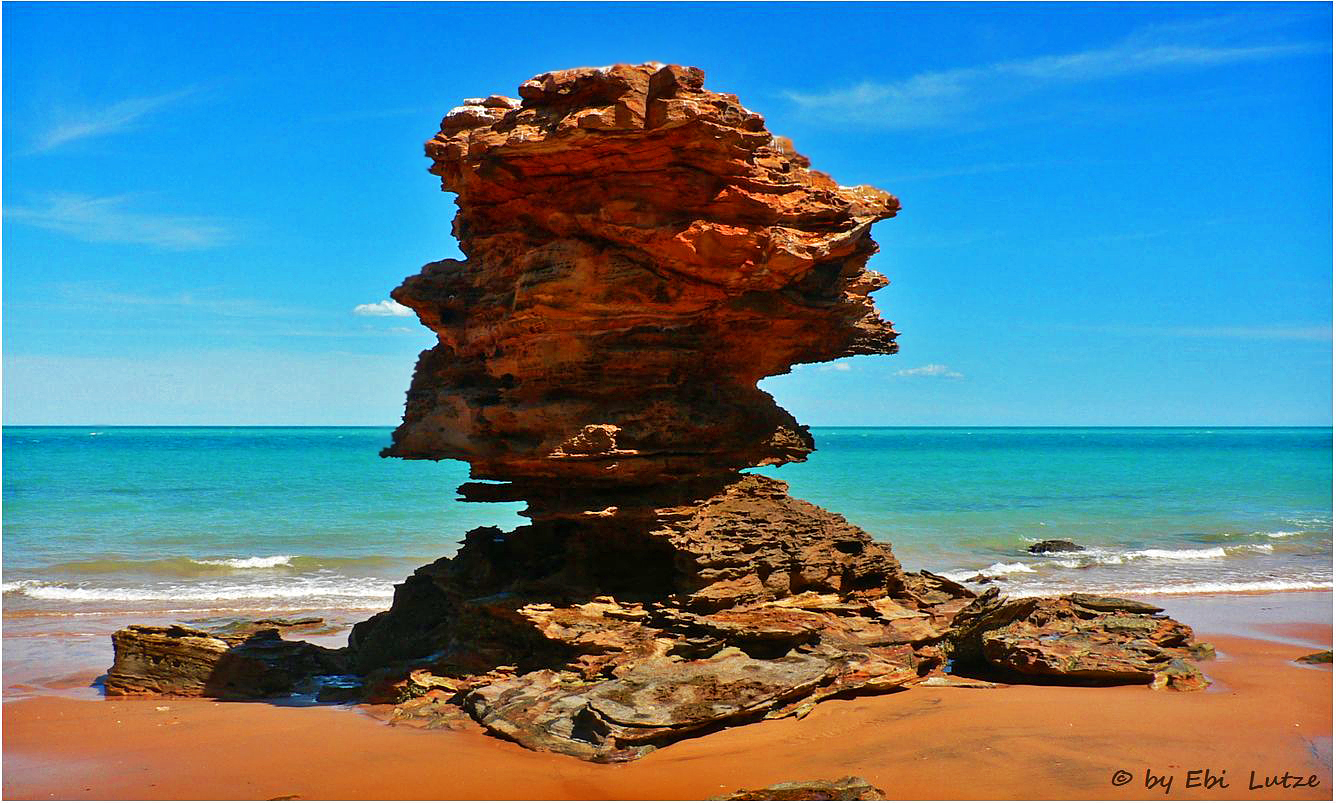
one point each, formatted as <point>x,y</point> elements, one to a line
<point>1078,638</point>
<point>237,663</point>
<point>609,637</point>
<point>641,251</point>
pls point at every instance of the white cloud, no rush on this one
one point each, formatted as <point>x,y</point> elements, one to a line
<point>106,219</point>
<point>383,309</point>
<point>947,96</point>
<point>931,369</point>
<point>96,122</point>
<point>835,366</point>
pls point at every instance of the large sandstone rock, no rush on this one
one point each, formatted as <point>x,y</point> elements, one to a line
<point>641,251</point>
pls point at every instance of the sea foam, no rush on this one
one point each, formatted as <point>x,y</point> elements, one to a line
<point>1179,554</point>
<point>270,562</point>
<point>331,589</point>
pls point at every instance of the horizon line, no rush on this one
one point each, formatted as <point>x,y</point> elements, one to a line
<point>810,426</point>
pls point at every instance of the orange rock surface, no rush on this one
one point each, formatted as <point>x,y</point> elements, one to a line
<point>640,252</point>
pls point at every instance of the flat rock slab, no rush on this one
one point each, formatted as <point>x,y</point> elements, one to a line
<point>1079,638</point>
<point>658,701</point>
<point>850,788</point>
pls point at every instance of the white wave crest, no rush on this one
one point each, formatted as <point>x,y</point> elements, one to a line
<point>1283,533</point>
<point>1179,554</point>
<point>1010,568</point>
<point>1221,587</point>
<point>1225,587</point>
<point>301,589</point>
<point>996,568</point>
<point>269,562</point>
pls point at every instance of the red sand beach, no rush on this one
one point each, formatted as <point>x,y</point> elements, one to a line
<point>1264,716</point>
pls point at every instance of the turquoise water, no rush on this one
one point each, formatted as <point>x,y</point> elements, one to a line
<point>211,519</point>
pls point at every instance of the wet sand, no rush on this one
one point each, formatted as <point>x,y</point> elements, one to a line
<point>1264,716</point>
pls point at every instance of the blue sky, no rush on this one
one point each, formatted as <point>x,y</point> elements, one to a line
<point>1113,214</point>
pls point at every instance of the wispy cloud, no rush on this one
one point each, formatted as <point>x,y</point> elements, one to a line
<point>1275,332</point>
<point>1257,332</point>
<point>383,309</point>
<point>108,220</point>
<point>947,96</point>
<point>931,369</point>
<point>100,121</point>
<point>835,366</point>
<point>1278,331</point>
<point>203,300</point>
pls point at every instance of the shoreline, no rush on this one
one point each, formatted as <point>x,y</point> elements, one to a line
<point>1264,714</point>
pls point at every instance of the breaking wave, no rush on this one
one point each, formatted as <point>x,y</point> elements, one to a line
<point>1094,556</point>
<point>331,590</point>
<point>1237,587</point>
<point>226,566</point>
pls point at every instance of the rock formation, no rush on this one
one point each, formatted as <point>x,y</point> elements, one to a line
<point>640,252</point>
<point>1077,638</point>
<point>241,663</point>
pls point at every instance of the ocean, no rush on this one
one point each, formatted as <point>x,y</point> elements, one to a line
<point>106,526</point>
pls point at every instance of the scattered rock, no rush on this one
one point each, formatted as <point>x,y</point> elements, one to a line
<point>187,662</point>
<point>1077,638</point>
<point>850,788</point>
<point>1055,545</point>
<point>1323,657</point>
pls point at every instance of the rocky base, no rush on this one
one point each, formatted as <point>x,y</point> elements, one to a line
<point>607,636</point>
